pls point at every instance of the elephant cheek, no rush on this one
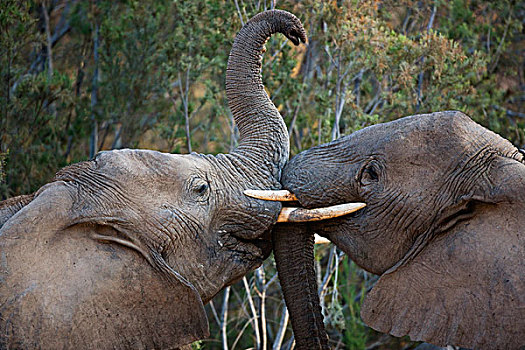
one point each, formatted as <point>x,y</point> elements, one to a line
<point>374,250</point>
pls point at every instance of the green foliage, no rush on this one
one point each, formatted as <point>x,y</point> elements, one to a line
<point>31,125</point>
<point>196,345</point>
<point>352,286</point>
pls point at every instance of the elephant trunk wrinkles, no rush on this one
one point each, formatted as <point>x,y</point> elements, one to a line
<point>294,256</point>
<point>263,134</point>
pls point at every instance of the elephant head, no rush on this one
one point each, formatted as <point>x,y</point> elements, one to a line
<point>443,226</point>
<point>122,251</point>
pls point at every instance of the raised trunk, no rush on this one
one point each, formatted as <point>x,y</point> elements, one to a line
<point>263,136</point>
<point>294,256</point>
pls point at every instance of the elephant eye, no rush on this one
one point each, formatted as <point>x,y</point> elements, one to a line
<point>372,174</point>
<point>201,189</point>
<point>369,173</point>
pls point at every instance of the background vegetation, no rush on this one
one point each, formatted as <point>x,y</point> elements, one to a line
<point>81,76</point>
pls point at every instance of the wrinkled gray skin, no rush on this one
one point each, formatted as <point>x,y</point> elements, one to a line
<point>443,226</point>
<point>122,251</point>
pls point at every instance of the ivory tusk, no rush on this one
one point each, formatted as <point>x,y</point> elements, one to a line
<point>272,195</point>
<point>291,214</point>
<point>321,240</point>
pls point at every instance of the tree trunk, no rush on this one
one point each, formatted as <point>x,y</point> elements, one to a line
<point>294,256</point>
<point>94,93</point>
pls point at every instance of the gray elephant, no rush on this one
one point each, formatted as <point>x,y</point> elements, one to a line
<point>122,251</point>
<point>443,226</point>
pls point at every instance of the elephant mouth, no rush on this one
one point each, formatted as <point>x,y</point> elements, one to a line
<point>254,249</point>
<point>263,246</point>
<point>298,214</point>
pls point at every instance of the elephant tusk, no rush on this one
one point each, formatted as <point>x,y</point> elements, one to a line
<point>321,240</point>
<point>291,214</point>
<point>272,195</point>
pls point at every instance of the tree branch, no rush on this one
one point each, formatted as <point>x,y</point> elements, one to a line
<point>509,113</point>
<point>254,313</point>
<point>260,278</point>
<point>422,73</point>
<point>494,64</point>
<point>282,329</point>
<point>49,53</point>
<point>184,97</point>
<point>224,318</point>
<point>94,91</point>
<point>239,12</point>
<point>214,312</point>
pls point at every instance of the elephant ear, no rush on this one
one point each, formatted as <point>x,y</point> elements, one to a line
<point>64,289</point>
<point>467,286</point>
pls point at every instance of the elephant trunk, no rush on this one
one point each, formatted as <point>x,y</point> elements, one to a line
<point>263,134</point>
<point>294,257</point>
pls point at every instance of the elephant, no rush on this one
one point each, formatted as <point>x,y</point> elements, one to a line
<point>443,226</point>
<point>123,250</point>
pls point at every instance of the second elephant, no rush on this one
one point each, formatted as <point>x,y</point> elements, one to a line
<point>443,226</point>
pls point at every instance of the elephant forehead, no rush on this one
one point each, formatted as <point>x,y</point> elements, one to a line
<point>434,140</point>
<point>440,131</point>
<point>134,178</point>
<point>136,163</point>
